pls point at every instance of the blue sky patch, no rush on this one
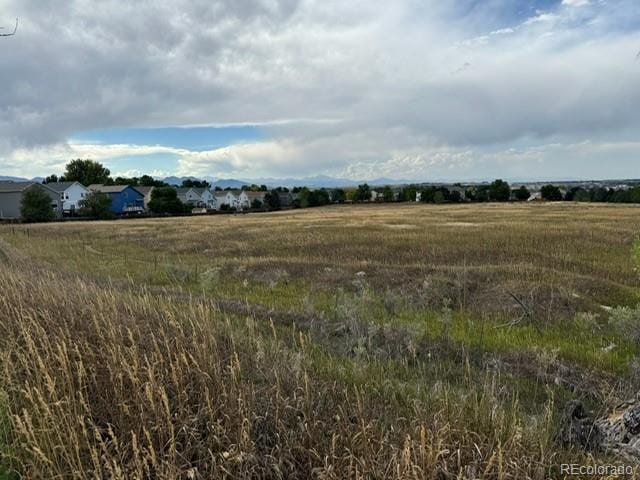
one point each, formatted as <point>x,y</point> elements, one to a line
<point>191,138</point>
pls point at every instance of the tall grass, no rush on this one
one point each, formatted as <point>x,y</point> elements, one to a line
<point>102,382</point>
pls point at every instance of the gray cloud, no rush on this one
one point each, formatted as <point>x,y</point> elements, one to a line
<point>382,68</point>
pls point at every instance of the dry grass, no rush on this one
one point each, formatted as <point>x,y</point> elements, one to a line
<point>271,359</point>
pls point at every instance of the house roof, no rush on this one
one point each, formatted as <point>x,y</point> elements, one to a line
<point>9,186</point>
<point>254,195</point>
<point>98,187</point>
<point>61,186</point>
<point>184,190</point>
<point>200,191</point>
<point>225,192</point>
<point>144,190</point>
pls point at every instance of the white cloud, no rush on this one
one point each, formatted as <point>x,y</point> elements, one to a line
<point>575,3</point>
<point>338,86</point>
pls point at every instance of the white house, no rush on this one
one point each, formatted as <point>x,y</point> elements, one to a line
<point>71,194</point>
<point>246,199</point>
<point>207,199</point>
<point>189,196</point>
<point>227,197</point>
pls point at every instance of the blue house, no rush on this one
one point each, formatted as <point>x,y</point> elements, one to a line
<point>125,199</point>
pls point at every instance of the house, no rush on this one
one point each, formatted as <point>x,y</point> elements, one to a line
<point>534,197</point>
<point>376,196</point>
<point>146,191</point>
<point>71,194</point>
<point>189,196</point>
<point>228,198</point>
<point>125,199</point>
<point>246,198</point>
<point>11,198</point>
<point>286,199</point>
<point>207,199</point>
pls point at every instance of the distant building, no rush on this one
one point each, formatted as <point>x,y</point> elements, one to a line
<point>286,199</point>
<point>125,199</point>
<point>246,198</point>
<point>189,196</point>
<point>228,198</point>
<point>11,198</point>
<point>207,198</point>
<point>146,191</point>
<point>71,194</point>
<point>535,196</point>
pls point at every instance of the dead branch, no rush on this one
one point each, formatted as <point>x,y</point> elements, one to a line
<point>15,29</point>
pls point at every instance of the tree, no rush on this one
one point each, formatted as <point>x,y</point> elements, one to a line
<point>387,194</point>
<point>256,204</point>
<point>363,194</point>
<point>165,200</point>
<point>53,179</point>
<point>272,200</point>
<point>522,194</point>
<point>36,205</point>
<point>96,205</point>
<point>499,191</point>
<point>551,193</point>
<point>408,194</point>
<point>571,194</point>
<point>338,195</point>
<point>86,172</point>
<point>195,184</point>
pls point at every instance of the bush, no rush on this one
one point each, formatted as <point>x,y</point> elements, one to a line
<point>36,205</point>
<point>522,194</point>
<point>96,205</point>
<point>165,200</point>
<point>551,193</point>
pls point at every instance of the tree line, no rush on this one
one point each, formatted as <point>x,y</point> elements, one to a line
<point>36,205</point>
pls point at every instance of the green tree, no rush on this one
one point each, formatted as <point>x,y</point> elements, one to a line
<point>522,194</point>
<point>96,205</point>
<point>551,193</point>
<point>195,184</point>
<point>363,194</point>
<point>338,195</point>
<point>53,179</point>
<point>165,200</point>
<point>256,204</point>
<point>36,205</point>
<point>87,172</point>
<point>272,200</point>
<point>499,191</point>
<point>387,194</point>
<point>408,194</point>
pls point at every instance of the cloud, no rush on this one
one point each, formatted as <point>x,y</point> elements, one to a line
<point>575,3</point>
<point>335,85</point>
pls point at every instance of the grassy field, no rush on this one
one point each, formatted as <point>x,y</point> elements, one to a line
<point>391,341</point>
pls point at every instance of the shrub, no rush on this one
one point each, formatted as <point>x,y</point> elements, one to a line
<point>36,205</point>
<point>96,205</point>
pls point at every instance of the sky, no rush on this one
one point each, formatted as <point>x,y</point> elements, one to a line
<point>425,90</point>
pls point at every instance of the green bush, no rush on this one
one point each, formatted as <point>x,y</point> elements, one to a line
<point>36,205</point>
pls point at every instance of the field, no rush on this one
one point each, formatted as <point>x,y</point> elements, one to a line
<point>374,341</point>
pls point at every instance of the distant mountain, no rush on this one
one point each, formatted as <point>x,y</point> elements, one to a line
<point>323,181</point>
<point>220,182</point>
<point>12,179</point>
<point>20,179</point>
<point>177,180</point>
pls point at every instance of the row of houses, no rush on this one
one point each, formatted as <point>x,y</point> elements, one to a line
<point>125,199</point>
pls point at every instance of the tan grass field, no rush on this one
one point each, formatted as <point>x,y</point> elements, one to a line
<point>377,341</point>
